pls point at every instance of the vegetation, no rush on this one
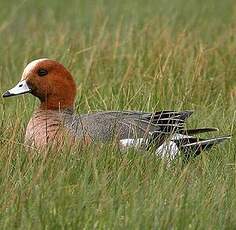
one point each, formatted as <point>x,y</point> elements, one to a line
<point>125,55</point>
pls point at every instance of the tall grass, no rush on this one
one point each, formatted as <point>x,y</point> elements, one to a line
<point>124,55</point>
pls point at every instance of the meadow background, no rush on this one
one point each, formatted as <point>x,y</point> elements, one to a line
<point>125,55</point>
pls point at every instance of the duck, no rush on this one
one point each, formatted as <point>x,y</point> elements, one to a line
<point>55,119</point>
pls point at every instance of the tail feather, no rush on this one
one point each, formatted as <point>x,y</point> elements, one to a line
<point>194,146</point>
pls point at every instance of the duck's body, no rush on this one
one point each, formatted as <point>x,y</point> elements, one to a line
<point>55,118</point>
<point>47,126</point>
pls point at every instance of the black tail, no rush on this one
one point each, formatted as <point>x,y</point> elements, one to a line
<point>198,130</point>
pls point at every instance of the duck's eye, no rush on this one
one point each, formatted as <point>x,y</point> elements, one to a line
<point>42,72</point>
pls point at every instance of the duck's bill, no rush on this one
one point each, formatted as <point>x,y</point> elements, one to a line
<point>20,88</point>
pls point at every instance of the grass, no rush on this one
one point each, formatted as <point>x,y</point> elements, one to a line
<point>125,55</point>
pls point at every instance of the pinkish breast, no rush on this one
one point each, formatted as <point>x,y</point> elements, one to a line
<point>43,128</point>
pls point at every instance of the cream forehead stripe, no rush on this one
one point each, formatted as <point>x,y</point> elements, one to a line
<point>31,66</point>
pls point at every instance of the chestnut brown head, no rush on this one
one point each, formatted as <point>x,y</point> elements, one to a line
<point>48,80</point>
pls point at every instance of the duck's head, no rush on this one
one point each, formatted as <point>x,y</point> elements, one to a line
<point>48,80</point>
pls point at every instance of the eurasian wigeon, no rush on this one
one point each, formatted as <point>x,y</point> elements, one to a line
<point>53,84</point>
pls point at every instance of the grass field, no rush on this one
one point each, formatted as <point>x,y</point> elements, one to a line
<point>125,55</point>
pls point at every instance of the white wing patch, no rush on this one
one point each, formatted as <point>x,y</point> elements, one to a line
<point>130,143</point>
<point>167,150</point>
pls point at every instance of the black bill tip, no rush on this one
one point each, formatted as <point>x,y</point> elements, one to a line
<point>7,94</point>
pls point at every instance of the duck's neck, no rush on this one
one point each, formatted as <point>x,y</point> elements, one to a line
<point>57,106</point>
<point>57,102</point>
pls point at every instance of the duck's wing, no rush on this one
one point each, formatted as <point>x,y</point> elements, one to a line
<point>162,121</point>
<point>167,121</point>
<point>155,127</point>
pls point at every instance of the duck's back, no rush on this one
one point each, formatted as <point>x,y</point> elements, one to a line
<point>105,126</point>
